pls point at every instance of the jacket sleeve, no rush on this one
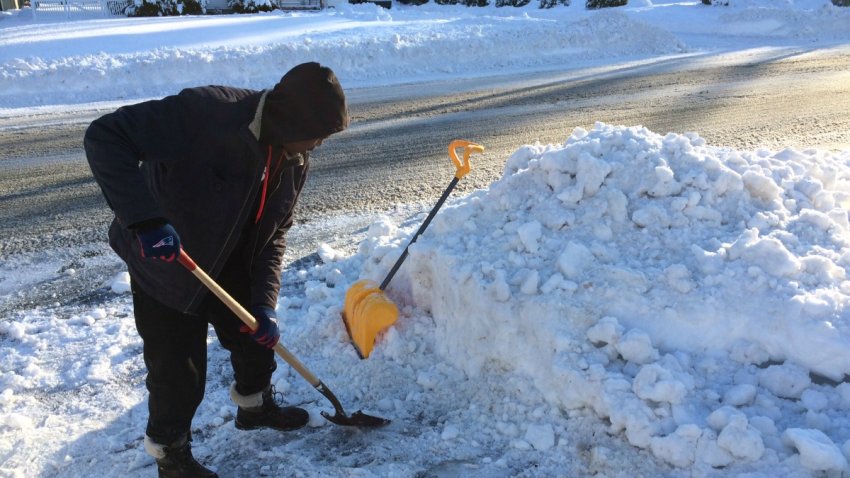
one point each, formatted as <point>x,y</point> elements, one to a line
<point>265,284</point>
<point>117,143</point>
<point>267,268</point>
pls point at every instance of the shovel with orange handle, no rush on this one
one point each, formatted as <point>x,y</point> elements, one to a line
<point>357,419</point>
<point>367,310</point>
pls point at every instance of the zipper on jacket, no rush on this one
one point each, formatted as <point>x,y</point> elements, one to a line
<point>266,174</point>
<point>265,186</point>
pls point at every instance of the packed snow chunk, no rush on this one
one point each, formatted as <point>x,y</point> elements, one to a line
<point>575,259</point>
<point>316,291</point>
<point>521,445</point>
<point>316,419</point>
<point>530,283</point>
<point>428,380</point>
<point>656,383</point>
<point>15,330</point>
<point>679,447</point>
<point>786,380</point>
<point>450,432</point>
<point>383,227</point>
<point>606,331</point>
<point>93,316</point>
<point>765,426</point>
<point>636,346</point>
<point>499,290</point>
<point>767,253</point>
<point>626,412</point>
<point>741,440</point>
<point>530,233</point>
<point>98,313</point>
<point>823,269</point>
<point>651,216</point>
<point>679,278</point>
<point>740,395</point>
<point>541,437</point>
<point>817,451</point>
<point>761,186</point>
<point>747,352</point>
<point>7,397</point>
<point>16,421</point>
<point>334,277</point>
<point>518,160</point>
<point>590,173</point>
<point>710,453</point>
<point>666,184</point>
<point>121,283</point>
<point>328,254</point>
<point>100,370</point>
<point>846,449</point>
<point>843,390</point>
<point>723,416</point>
<point>377,236</point>
<point>814,400</point>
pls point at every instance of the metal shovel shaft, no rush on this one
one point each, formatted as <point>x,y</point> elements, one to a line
<point>419,232</point>
<point>340,417</point>
<point>463,167</point>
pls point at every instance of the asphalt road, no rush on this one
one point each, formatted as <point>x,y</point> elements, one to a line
<point>51,211</point>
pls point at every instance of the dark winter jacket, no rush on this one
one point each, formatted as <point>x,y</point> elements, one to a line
<point>194,159</point>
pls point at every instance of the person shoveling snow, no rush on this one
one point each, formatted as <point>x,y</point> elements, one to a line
<point>224,167</point>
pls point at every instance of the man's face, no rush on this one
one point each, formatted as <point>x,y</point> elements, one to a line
<point>302,146</point>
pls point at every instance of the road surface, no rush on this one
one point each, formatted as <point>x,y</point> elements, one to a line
<point>53,218</point>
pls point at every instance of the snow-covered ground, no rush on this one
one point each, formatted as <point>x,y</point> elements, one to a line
<point>626,303</point>
<point>62,62</point>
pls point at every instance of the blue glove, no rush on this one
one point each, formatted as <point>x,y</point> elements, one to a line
<point>267,333</point>
<point>159,241</point>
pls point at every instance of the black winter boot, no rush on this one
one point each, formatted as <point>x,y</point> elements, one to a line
<point>176,460</point>
<point>262,411</point>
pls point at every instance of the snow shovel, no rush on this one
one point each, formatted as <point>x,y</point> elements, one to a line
<point>358,419</point>
<point>367,310</point>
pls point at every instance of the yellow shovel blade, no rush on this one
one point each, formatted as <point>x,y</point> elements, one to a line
<point>356,293</point>
<point>366,313</point>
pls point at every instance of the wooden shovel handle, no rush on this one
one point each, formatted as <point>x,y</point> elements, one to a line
<point>244,315</point>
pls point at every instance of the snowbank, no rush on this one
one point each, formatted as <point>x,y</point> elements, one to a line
<point>53,62</point>
<point>685,293</point>
<point>363,47</point>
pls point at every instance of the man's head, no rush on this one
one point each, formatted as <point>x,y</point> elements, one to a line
<point>304,108</point>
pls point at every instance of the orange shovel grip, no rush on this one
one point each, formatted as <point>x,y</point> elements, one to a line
<point>463,167</point>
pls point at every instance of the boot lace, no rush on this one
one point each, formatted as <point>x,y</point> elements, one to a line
<point>272,398</point>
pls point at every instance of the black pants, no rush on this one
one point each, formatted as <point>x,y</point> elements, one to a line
<point>175,352</point>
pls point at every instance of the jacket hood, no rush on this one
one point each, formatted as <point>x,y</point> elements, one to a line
<point>307,103</point>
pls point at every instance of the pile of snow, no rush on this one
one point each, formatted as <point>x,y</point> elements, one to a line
<point>688,294</point>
